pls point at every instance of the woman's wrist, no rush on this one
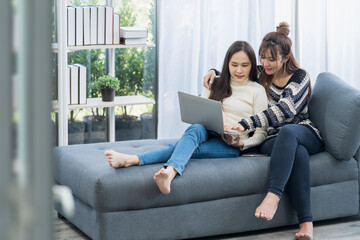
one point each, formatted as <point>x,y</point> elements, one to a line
<point>240,127</point>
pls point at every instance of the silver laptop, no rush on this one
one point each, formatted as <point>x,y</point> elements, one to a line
<point>204,111</point>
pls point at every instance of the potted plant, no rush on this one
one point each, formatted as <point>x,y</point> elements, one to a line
<point>107,85</point>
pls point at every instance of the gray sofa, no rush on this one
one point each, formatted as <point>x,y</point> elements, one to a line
<point>214,196</point>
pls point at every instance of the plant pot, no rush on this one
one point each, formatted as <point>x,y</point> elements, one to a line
<point>107,94</point>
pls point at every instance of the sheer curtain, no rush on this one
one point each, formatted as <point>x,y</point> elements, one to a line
<point>195,34</point>
<point>329,36</point>
<point>193,37</point>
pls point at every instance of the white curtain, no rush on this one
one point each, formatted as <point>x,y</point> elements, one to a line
<point>195,34</point>
<point>329,37</point>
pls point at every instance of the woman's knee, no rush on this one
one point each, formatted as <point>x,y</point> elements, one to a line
<point>288,131</point>
<point>197,130</point>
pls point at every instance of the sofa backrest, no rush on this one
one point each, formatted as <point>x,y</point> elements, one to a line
<point>335,110</point>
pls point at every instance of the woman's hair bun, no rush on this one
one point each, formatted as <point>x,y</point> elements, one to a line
<point>283,29</point>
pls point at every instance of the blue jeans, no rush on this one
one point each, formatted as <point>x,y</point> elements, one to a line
<point>290,166</point>
<point>196,142</point>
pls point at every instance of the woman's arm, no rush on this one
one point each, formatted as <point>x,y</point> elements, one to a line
<point>260,104</point>
<point>292,101</point>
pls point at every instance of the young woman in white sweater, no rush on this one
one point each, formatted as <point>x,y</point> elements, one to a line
<point>241,97</point>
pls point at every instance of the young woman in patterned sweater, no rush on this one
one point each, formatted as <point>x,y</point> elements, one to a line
<point>291,134</point>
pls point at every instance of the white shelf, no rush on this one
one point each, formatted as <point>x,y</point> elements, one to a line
<point>118,101</point>
<point>91,47</point>
<point>62,49</point>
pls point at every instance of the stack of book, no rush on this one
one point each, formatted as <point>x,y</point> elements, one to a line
<point>133,35</point>
<point>76,77</point>
<point>90,25</point>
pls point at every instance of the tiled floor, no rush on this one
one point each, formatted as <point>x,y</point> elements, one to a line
<point>339,229</point>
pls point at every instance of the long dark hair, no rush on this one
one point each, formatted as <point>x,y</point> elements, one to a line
<point>221,88</point>
<point>278,43</point>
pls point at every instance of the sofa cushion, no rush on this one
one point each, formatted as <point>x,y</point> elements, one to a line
<point>85,169</point>
<point>335,110</point>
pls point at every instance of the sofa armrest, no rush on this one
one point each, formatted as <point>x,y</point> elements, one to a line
<point>335,110</point>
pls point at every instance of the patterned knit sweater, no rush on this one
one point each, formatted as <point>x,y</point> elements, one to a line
<point>287,105</point>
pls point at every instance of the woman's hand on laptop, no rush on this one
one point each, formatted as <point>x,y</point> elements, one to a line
<point>232,139</point>
<point>237,127</point>
<point>209,79</point>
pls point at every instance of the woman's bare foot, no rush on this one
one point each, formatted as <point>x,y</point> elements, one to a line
<point>163,179</point>
<point>268,207</point>
<point>118,160</point>
<point>305,232</point>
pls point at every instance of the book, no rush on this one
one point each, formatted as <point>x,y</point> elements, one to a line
<point>71,26</point>
<point>81,83</point>
<point>93,25</point>
<point>101,25</point>
<point>86,15</point>
<point>109,12</point>
<point>74,84</point>
<point>133,32</point>
<point>133,41</point>
<point>79,26</point>
<point>116,31</point>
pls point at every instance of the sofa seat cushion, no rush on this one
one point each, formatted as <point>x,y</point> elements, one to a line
<point>85,169</point>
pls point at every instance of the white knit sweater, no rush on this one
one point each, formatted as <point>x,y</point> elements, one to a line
<point>248,98</point>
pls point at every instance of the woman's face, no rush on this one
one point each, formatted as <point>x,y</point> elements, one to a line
<point>239,66</point>
<point>271,65</point>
